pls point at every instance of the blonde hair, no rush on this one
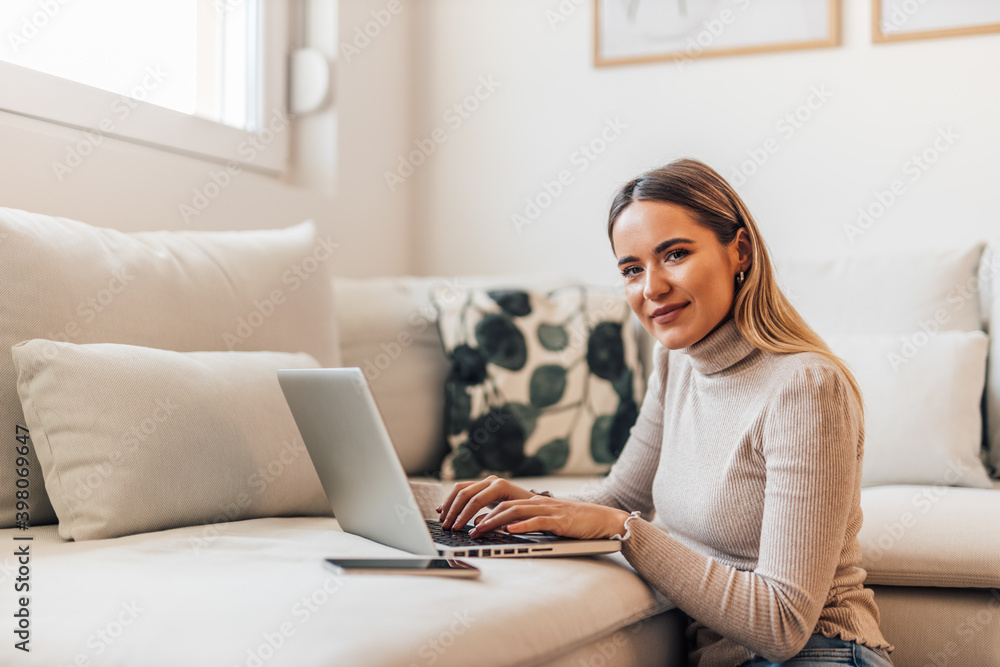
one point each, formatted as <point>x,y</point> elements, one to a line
<point>763,314</point>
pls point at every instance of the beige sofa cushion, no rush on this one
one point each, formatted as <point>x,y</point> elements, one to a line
<point>387,328</point>
<point>134,439</point>
<point>260,596</point>
<point>188,291</point>
<point>931,536</point>
<point>911,536</point>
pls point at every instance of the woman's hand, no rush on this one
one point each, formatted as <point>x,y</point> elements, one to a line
<point>520,511</point>
<point>566,518</point>
<point>467,498</point>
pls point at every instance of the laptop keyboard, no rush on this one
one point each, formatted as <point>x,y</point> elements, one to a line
<point>460,538</point>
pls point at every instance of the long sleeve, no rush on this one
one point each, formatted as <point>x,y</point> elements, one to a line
<point>628,486</point>
<point>810,442</point>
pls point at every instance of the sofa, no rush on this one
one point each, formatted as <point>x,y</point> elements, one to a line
<point>930,539</point>
<point>173,568</point>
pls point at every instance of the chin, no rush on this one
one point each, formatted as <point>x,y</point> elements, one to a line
<point>672,339</point>
<point>676,337</point>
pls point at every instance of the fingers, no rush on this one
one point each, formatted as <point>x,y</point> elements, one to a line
<point>487,497</point>
<point>514,512</point>
<point>463,503</point>
<point>538,523</point>
<point>446,505</point>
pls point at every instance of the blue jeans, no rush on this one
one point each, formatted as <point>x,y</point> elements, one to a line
<point>822,651</point>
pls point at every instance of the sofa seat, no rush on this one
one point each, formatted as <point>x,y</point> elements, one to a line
<point>255,593</point>
<point>911,536</point>
<point>930,536</point>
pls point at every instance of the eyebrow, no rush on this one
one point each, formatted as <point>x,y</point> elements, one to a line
<point>656,251</point>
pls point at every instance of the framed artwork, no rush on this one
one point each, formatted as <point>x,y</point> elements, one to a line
<point>641,31</point>
<point>901,20</point>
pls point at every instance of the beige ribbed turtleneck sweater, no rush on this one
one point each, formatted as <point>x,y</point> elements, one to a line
<point>752,461</point>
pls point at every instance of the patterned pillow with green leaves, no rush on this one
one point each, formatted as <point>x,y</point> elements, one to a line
<point>540,383</point>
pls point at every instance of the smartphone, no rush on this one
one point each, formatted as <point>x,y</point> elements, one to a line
<point>440,567</point>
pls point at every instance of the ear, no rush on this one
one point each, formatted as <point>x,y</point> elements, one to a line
<point>742,254</point>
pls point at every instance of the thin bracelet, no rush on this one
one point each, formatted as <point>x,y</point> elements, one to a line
<point>633,515</point>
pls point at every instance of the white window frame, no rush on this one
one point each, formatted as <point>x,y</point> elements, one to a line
<point>34,94</point>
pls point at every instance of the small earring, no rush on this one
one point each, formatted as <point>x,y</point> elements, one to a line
<point>739,281</point>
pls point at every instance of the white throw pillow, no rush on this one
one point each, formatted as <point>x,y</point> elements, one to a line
<point>923,423</point>
<point>134,439</point>
<point>188,291</point>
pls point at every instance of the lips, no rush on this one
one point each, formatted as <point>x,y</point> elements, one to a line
<point>668,313</point>
<point>663,310</point>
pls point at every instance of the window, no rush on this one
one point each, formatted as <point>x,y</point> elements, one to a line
<point>205,77</point>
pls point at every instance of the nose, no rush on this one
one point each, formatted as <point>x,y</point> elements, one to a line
<point>657,284</point>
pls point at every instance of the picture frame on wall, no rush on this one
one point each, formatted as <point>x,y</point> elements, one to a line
<point>643,31</point>
<point>903,20</point>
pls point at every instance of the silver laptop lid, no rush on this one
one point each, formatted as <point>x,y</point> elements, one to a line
<point>354,457</point>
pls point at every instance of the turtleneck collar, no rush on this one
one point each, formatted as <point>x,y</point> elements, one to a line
<point>719,350</point>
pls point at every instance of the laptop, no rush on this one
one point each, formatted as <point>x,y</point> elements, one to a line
<point>357,464</point>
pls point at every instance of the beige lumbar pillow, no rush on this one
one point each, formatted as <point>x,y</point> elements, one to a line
<point>135,439</point>
<point>189,291</point>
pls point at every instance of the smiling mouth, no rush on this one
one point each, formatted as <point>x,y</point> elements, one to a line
<point>669,314</point>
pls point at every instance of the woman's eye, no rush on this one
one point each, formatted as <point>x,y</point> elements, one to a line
<point>676,254</point>
<point>630,271</point>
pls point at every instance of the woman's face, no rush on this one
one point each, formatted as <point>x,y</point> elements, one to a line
<point>679,280</point>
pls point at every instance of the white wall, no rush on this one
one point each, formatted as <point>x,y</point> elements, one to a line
<point>453,214</point>
<point>888,102</point>
<point>339,158</point>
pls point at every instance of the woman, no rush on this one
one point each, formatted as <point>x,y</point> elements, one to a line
<point>748,444</point>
